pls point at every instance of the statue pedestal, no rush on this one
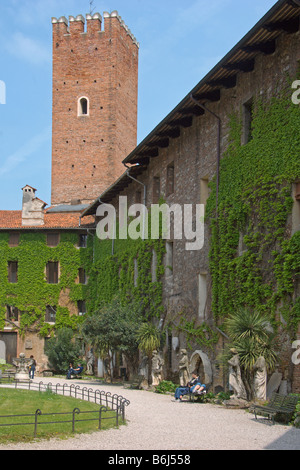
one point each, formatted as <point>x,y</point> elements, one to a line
<point>22,364</point>
<point>22,377</point>
<point>238,403</point>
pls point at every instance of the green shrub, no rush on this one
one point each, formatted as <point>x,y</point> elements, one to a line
<point>63,350</point>
<point>166,386</point>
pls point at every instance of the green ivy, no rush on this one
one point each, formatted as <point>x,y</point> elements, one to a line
<point>255,203</point>
<point>31,294</point>
<point>112,274</point>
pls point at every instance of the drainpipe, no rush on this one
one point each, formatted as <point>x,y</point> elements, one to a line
<point>145,194</point>
<point>218,146</point>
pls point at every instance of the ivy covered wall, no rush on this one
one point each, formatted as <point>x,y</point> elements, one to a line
<point>125,268</point>
<point>31,294</point>
<point>254,257</point>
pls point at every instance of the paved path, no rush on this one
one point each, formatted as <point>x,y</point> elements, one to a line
<point>155,422</point>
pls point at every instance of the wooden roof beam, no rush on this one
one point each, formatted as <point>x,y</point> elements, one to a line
<point>242,66</point>
<point>173,133</point>
<point>226,82</point>
<point>265,47</point>
<point>214,95</point>
<point>185,121</point>
<point>289,26</point>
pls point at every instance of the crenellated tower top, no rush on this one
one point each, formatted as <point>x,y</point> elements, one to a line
<point>76,25</point>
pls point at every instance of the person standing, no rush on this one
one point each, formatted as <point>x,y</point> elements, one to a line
<point>32,367</point>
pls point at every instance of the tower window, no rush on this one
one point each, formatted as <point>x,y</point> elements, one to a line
<point>83,107</point>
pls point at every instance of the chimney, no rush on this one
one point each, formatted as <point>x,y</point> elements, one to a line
<point>32,208</point>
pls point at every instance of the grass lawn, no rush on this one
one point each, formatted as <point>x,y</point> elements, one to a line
<point>22,402</point>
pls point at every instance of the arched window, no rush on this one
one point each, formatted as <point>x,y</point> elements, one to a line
<point>83,106</point>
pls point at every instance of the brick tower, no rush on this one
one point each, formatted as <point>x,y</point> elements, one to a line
<point>95,80</point>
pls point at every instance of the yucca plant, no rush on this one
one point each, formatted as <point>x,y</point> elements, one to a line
<point>251,336</point>
<point>148,337</point>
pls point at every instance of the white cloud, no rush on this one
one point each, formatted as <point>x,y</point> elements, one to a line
<point>28,49</point>
<point>15,159</point>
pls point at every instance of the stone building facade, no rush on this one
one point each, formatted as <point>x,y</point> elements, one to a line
<point>181,156</point>
<point>176,163</point>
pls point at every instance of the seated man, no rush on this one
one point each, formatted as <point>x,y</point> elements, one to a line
<point>72,371</point>
<point>192,386</point>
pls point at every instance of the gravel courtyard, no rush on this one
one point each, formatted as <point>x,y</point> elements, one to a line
<point>156,422</point>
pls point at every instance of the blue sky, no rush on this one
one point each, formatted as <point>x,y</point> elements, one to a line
<point>180,41</point>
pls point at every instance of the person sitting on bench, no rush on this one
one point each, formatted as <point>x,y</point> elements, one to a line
<point>72,371</point>
<point>193,386</point>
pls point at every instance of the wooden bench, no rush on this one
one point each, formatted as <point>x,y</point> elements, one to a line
<point>278,404</point>
<point>198,395</point>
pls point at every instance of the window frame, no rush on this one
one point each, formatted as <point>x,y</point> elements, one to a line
<point>12,275</point>
<point>80,108</point>
<point>55,273</point>
<point>49,234</point>
<point>51,310</point>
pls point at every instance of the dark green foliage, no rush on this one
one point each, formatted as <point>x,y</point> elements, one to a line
<point>114,328</point>
<point>255,205</point>
<point>31,294</point>
<point>63,350</point>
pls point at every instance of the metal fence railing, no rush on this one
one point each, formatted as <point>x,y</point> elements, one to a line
<point>107,402</point>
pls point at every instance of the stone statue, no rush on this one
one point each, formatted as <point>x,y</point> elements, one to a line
<point>90,363</point>
<point>157,364</point>
<point>274,382</point>
<point>22,364</point>
<point>183,368</point>
<point>235,378</point>
<point>283,389</point>
<point>143,373</point>
<point>260,379</point>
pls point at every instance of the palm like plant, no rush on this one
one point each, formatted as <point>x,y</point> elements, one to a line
<point>148,338</point>
<point>251,337</point>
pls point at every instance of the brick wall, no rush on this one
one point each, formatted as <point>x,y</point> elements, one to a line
<point>101,65</point>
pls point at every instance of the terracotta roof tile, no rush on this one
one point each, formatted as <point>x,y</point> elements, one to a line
<point>13,220</point>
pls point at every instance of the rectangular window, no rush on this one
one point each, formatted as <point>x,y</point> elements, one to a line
<point>50,315</point>
<point>156,190</point>
<point>170,179</point>
<point>169,259</point>
<point>204,190</point>
<point>81,307</point>
<point>12,313</point>
<point>82,276</point>
<point>52,272</point>
<point>247,121</point>
<point>82,242</point>
<point>202,295</point>
<point>13,271</point>
<point>52,239</point>
<point>14,238</point>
